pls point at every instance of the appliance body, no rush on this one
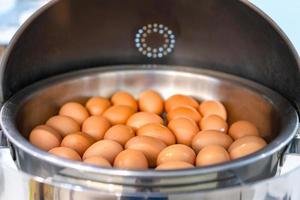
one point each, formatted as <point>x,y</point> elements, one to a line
<point>226,36</point>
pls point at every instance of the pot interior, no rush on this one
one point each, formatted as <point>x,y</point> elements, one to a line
<point>243,100</point>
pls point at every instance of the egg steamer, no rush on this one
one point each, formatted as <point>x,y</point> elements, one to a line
<point>220,49</point>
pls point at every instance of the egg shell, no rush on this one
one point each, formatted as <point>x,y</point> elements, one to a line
<point>140,119</point>
<point>151,101</point>
<point>108,149</point>
<point>149,146</point>
<point>97,105</point>
<point>95,126</point>
<point>184,111</point>
<point>213,107</point>
<point>211,155</point>
<point>211,137</point>
<point>157,131</point>
<point>184,130</point>
<point>78,142</point>
<point>98,161</point>
<point>124,98</point>
<point>118,114</point>
<point>119,133</point>
<point>245,146</point>
<point>74,110</point>
<point>131,159</point>
<point>213,122</point>
<point>45,137</point>
<point>65,152</point>
<point>180,100</point>
<point>176,152</point>
<point>63,124</point>
<point>174,165</point>
<point>242,128</point>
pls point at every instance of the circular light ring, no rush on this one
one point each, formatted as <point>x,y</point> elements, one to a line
<point>151,52</point>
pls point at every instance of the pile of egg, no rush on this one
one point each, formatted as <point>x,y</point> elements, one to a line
<point>126,133</point>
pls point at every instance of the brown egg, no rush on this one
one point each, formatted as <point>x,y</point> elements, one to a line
<point>131,159</point>
<point>211,155</point>
<point>173,165</point>
<point>180,100</point>
<point>119,133</point>
<point>184,111</point>
<point>118,114</point>
<point>211,137</point>
<point>151,101</point>
<point>213,122</point>
<point>95,126</point>
<point>108,149</point>
<point>212,107</point>
<point>148,145</point>
<point>63,124</point>
<point>157,131</point>
<point>45,137</point>
<point>124,98</point>
<point>176,152</point>
<point>242,128</point>
<point>245,146</point>
<point>74,110</point>
<point>140,119</point>
<point>97,105</point>
<point>98,161</point>
<point>184,129</point>
<point>66,153</point>
<point>78,142</point>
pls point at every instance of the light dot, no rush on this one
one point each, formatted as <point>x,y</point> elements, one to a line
<point>144,34</point>
<point>160,49</point>
<point>149,48</point>
<point>149,26</point>
<point>144,52</point>
<point>143,40</point>
<point>171,45</point>
<point>155,30</point>
<point>149,31</point>
<point>154,55</point>
<point>161,31</point>
<point>166,28</point>
<point>165,45</point>
<point>155,25</point>
<point>173,41</point>
<point>140,49</point>
<point>141,31</point>
<point>165,53</point>
<point>160,55</point>
<point>144,45</point>
<point>161,26</point>
<point>137,40</point>
<point>166,40</point>
<point>144,27</point>
<point>137,35</point>
<point>169,50</point>
<point>138,44</point>
<point>154,50</point>
<point>172,36</point>
<point>149,55</point>
<point>165,36</point>
<point>169,32</point>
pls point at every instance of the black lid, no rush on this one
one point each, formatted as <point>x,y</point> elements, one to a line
<point>224,35</point>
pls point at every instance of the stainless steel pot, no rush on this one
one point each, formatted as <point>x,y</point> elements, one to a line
<point>276,119</point>
<point>226,36</point>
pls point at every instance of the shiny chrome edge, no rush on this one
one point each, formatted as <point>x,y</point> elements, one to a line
<point>13,135</point>
<point>16,36</point>
<point>282,34</point>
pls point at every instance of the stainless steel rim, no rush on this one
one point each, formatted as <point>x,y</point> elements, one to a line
<point>10,108</point>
